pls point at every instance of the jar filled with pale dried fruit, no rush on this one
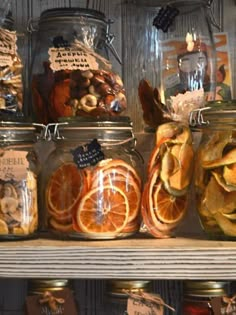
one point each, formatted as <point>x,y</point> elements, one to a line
<point>71,74</point>
<point>91,182</point>
<point>215,168</point>
<point>19,169</point>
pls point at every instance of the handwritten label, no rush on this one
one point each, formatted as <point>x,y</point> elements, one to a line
<point>88,155</point>
<point>143,307</point>
<point>13,165</point>
<point>71,58</point>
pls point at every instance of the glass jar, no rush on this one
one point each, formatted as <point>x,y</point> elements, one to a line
<point>115,301</point>
<point>188,57</point>
<point>11,69</point>
<point>18,181</point>
<point>215,163</point>
<point>50,296</point>
<point>91,183</point>
<point>71,75</point>
<point>169,176</point>
<point>198,296</point>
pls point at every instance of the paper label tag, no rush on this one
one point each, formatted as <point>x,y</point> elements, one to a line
<point>13,165</point>
<point>143,307</point>
<point>71,58</point>
<point>88,155</point>
<point>63,302</point>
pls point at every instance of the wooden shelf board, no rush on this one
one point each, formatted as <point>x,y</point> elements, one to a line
<point>176,258</point>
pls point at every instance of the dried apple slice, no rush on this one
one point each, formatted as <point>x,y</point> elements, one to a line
<point>228,227</point>
<point>227,159</point>
<point>221,181</point>
<point>229,174</point>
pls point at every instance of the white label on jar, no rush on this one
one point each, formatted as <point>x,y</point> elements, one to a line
<point>71,58</point>
<point>7,42</point>
<point>13,165</point>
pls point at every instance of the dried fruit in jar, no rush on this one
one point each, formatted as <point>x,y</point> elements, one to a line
<point>169,174</point>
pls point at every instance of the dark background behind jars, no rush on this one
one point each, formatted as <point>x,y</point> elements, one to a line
<point>136,43</point>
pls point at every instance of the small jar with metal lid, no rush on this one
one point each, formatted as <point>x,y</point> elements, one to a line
<point>115,300</point>
<point>71,74</point>
<point>215,168</point>
<point>91,183</point>
<point>198,296</point>
<point>19,170</point>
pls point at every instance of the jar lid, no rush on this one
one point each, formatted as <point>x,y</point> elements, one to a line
<point>216,115</point>
<point>118,287</point>
<point>205,288</point>
<point>37,286</point>
<point>59,13</point>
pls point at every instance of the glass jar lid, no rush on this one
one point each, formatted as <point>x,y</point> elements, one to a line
<point>38,286</point>
<point>205,288</point>
<point>216,115</point>
<point>20,132</point>
<point>83,128</point>
<point>118,287</point>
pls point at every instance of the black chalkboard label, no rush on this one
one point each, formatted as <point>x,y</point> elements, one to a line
<point>88,155</point>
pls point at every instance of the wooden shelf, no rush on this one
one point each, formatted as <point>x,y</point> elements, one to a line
<point>177,258</point>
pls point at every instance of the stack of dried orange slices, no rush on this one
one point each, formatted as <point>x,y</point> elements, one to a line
<point>100,201</point>
<point>165,194</point>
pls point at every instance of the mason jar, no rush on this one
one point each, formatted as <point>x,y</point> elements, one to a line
<point>18,180</point>
<point>11,69</point>
<point>116,297</point>
<point>187,56</point>
<point>50,296</point>
<point>71,74</point>
<point>199,295</point>
<point>91,183</point>
<point>215,161</point>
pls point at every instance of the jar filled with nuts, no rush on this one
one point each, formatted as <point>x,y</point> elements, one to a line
<point>91,186</point>
<point>11,68</point>
<point>215,168</point>
<point>71,74</point>
<point>18,181</point>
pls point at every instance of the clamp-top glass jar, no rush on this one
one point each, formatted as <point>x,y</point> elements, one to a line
<point>187,53</point>
<point>18,181</point>
<point>215,169</point>
<point>71,75</point>
<point>91,186</point>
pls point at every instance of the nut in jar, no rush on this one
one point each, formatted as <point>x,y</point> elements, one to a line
<point>215,167</point>
<point>18,181</point>
<point>92,184</point>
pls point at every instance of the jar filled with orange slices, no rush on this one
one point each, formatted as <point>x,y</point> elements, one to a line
<point>91,183</point>
<point>19,170</point>
<point>165,195</point>
<point>215,169</point>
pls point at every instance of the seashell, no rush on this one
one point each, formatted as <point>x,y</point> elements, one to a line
<point>88,103</point>
<point>227,159</point>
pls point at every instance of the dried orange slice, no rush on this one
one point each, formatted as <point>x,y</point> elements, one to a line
<point>65,187</point>
<point>103,210</point>
<point>118,177</point>
<point>118,164</point>
<point>168,208</point>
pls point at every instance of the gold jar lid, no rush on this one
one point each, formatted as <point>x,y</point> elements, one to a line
<point>38,286</point>
<point>205,288</point>
<point>118,287</point>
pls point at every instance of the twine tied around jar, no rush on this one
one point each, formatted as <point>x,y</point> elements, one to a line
<point>151,298</point>
<point>229,301</point>
<point>51,301</point>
